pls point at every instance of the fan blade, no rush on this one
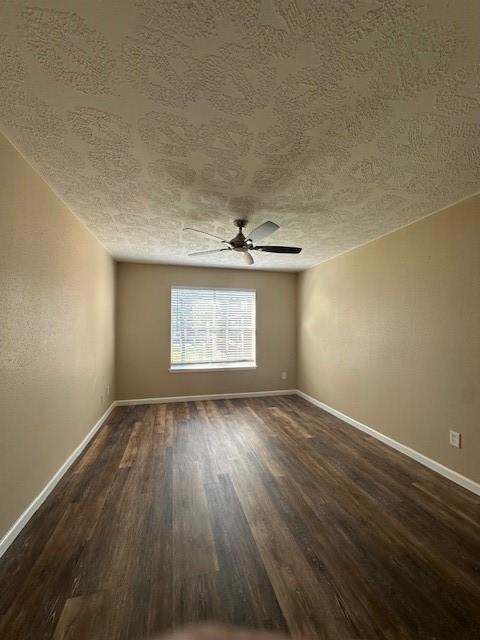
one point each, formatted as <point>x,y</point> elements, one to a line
<point>263,231</point>
<point>248,258</point>
<point>274,249</point>
<point>205,233</point>
<point>202,253</point>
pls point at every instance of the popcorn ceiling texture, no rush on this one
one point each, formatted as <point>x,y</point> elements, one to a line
<point>340,121</point>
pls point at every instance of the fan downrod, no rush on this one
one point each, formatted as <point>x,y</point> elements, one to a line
<point>241,223</point>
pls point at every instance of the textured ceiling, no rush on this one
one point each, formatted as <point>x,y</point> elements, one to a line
<point>339,120</point>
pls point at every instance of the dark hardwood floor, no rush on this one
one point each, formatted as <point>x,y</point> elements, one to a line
<point>266,513</point>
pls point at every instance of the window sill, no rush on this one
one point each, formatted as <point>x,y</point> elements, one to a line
<point>192,368</point>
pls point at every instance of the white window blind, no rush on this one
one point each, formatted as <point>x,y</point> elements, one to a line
<point>212,327</point>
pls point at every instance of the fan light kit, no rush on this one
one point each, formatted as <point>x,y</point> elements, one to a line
<point>244,245</point>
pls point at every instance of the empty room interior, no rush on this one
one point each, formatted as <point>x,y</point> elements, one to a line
<point>240,319</point>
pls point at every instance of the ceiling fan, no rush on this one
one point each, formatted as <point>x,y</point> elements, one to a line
<point>243,244</point>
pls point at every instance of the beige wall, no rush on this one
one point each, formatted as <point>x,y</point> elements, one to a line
<point>143,331</point>
<point>389,334</point>
<point>56,333</point>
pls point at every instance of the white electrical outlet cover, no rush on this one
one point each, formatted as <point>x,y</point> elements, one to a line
<point>455,439</point>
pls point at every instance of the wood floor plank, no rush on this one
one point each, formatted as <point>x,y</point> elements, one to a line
<point>193,546</point>
<point>81,618</point>
<point>247,594</point>
<point>308,603</point>
<point>130,454</point>
<point>260,512</point>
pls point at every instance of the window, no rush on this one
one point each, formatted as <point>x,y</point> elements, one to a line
<point>212,329</point>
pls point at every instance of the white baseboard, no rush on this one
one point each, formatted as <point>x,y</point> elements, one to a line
<point>211,396</point>
<point>15,529</point>
<point>464,482</point>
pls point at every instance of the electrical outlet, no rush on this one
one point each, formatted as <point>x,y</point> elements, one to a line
<point>455,439</point>
<point>284,375</point>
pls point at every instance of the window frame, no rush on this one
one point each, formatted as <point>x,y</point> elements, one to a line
<point>219,366</point>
